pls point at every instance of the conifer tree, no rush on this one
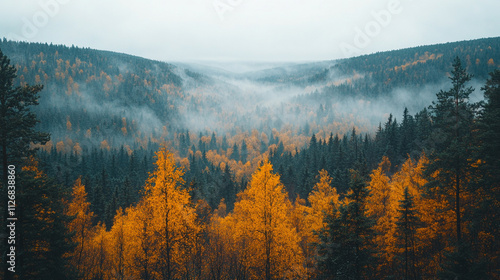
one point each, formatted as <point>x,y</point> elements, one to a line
<point>43,240</point>
<point>17,131</point>
<point>407,224</point>
<point>450,160</point>
<point>485,220</point>
<point>243,152</point>
<point>346,249</point>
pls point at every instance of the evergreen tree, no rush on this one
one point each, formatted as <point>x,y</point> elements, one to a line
<point>43,241</point>
<point>224,145</point>
<point>485,219</point>
<point>407,224</point>
<point>451,157</point>
<point>236,153</point>
<point>489,151</point>
<point>17,122</point>
<point>17,131</point>
<point>459,265</point>
<point>228,188</point>
<point>244,152</point>
<point>213,142</point>
<point>346,249</point>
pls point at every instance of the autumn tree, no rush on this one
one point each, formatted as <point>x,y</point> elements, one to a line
<point>118,247</point>
<point>322,199</point>
<point>174,219</point>
<point>262,219</point>
<point>381,207</point>
<point>141,236</point>
<point>81,228</point>
<point>220,257</point>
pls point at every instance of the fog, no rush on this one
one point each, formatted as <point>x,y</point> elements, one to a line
<point>246,101</point>
<point>243,97</point>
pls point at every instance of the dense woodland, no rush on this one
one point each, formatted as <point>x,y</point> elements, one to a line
<point>109,197</point>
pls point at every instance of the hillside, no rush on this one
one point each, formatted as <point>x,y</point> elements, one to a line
<point>180,171</point>
<point>101,98</point>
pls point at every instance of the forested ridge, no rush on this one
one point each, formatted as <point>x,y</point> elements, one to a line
<point>132,191</point>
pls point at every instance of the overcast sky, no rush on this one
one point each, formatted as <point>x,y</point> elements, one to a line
<point>248,30</point>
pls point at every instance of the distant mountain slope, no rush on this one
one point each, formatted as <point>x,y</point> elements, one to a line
<point>102,98</point>
<point>92,95</point>
<point>379,73</point>
<point>418,66</point>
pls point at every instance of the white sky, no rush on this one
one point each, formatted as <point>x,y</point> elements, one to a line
<point>248,30</point>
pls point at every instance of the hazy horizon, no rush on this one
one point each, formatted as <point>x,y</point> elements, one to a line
<point>239,30</point>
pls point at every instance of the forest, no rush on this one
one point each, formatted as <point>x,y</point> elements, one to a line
<point>113,176</point>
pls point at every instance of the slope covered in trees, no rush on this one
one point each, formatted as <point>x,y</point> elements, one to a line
<point>99,98</point>
<point>415,198</point>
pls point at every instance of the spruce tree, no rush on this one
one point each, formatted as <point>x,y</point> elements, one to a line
<point>346,250</point>
<point>485,219</point>
<point>450,160</point>
<point>407,224</point>
<point>236,153</point>
<point>43,240</point>
<point>17,131</point>
<point>244,152</point>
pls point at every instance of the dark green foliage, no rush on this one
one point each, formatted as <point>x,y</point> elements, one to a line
<point>236,153</point>
<point>346,250</point>
<point>461,265</point>
<point>243,152</point>
<point>17,122</point>
<point>17,131</point>
<point>486,216</point>
<point>43,240</point>
<point>452,136</point>
<point>407,225</point>
<point>489,128</point>
<point>114,177</point>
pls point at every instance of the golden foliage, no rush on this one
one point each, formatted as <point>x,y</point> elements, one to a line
<point>81,227</point>
<point>268,245</point>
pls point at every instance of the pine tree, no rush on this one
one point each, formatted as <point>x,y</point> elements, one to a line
<point>17,122</point>
<point>236,153</point>
<point>244,152</point>
<point>450,160</point>
<point>407,224</point>
<point>213,142</point>
<point>485,220</point>
<point>43,240</point>
<point>17,131</point>
<point>489,151</point>
<point>346,249</point>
